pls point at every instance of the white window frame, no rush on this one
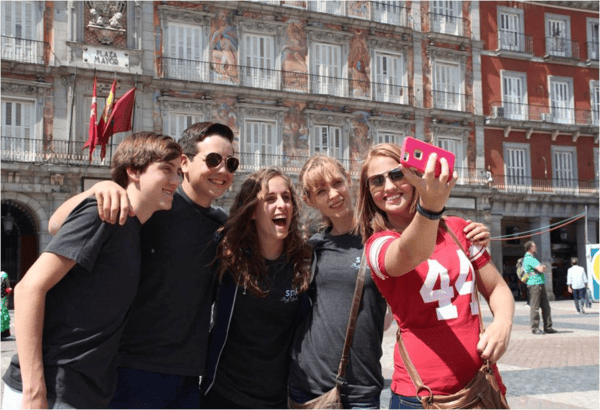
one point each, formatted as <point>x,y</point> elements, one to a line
<point>260,70</point>
<point>512,40</point>
<point>386,87</point>
<point>14,143</point>
<point>564,180</point>
<point>520,181</point>
<point>592,38</point>
<point>389,12</point>
<point>258,147</point>
<point>444,19</point>
<point>558,44</point>
<point>515,106</point>
<point>316,142</point>
<point>392,137</point>
<point>335,7</point>
<point>175,122</point>
<point>443,98</point>
<point>456,145</point>
<point>327,78</point>
<point>561,111</point>
<point>188,61</point>
<point>595,102</point>
<point>22,43</point>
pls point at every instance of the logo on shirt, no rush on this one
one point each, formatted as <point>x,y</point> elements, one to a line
<point>356,264</point>
<point>291,295</point>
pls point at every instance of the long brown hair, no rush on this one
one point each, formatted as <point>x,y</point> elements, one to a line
<point>370,218</point>
<point>239,250</point>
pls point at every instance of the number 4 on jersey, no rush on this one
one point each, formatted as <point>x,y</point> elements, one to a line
<point>445,294</point>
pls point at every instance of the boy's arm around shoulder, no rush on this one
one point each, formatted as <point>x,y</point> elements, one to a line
<point>30,297</point>
<point>112,202</point>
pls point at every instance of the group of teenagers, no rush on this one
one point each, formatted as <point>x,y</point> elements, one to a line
<point>150,297</point>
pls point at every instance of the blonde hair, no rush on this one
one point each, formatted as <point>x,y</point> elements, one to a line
<point>371,219</point>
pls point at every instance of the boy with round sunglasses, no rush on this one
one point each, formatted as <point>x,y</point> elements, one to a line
<point>164,344</point>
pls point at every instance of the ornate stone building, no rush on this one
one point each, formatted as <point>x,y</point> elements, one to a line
<point>291,78</point>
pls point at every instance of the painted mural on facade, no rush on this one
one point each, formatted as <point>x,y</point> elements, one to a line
<point>293,57</point>
<point>224,47</point>
<point>359,63</point>
<point>295,130</point>
<point>359,9</point>
<point>225,114</point>
<point>362,139</point>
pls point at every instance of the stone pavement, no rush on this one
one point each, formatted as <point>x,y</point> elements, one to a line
<point>554,371</point>
<point>557,371</point>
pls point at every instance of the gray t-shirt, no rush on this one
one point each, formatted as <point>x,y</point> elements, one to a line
<point>85,311</point>
<point>319,342</point>
<point>167,331</point>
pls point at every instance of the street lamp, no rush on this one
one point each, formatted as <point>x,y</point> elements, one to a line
<point>8,222</point>
<point>563,234</point>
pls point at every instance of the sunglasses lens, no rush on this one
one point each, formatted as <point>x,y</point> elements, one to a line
<point>213,160</point>
<point>232,164</point>
<point>396,175</point>
<point>376,181</point>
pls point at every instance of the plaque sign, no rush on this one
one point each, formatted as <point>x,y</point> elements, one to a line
<point>105,57</point>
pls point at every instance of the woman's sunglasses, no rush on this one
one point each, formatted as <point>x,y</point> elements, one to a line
<point>214,159</point>
<point>376,181</point>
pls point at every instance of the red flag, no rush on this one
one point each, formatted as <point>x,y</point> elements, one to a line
<point>108,107</point>
<point>93,130</point>
<point>120,119</point>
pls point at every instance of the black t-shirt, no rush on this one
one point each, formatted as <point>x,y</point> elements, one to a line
<point>254,364</point>
<point>320,338</point>
<point>85,311</point>
<point>167,331</point>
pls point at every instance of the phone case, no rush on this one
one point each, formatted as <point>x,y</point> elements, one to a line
<point>416,152</point>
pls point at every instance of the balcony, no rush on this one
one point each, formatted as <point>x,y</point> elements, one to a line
<point>277,80</point>
<point>528,185</point>
<point>390,12</point>
<point>446,24</point>
<point>562,48</point>
<point>543,113</point>
<point>592,50</point>
<point>516,42</point>
<point>443,100</point>
<point>23,50</point>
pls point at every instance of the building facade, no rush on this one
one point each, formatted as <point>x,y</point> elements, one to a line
<point>291,78</point>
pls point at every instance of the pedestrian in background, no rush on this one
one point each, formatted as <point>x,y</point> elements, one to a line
<point>5,319</point>
<point>536,284</point>
<point>577,282</point>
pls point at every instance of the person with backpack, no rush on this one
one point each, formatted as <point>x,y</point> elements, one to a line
<point>536,285</point>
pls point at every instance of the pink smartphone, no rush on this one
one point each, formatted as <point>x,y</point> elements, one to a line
<point>415,154</point>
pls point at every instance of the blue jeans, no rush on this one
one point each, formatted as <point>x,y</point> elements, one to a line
<point>140,389</point>
<point>370,402</point>
<point>579,298</point>
<point>404,402</point>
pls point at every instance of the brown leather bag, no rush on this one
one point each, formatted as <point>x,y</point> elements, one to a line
<point>482,392</point>
<point>332,399</point>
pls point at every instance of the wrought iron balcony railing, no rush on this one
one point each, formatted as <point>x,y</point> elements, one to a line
<point>511,41</point>
<point>390,12</point>
<point>562,47</point>
<point>551,114</point>
<point>23,50</point>
<point>443,100</point>
<point>269,79</point>
<point>446,24</point>
<point>592,50</point>
<point>556,186</point>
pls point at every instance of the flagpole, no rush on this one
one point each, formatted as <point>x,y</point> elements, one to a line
<point>70,148</point>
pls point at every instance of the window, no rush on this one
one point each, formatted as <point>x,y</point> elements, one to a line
<point>20,32</point>
<point>446,87</point>
<point>261,146</point>
<point>18,135</point>
<point>595,101</point>
<point>328,6</point>
<point>592,39</point>
<point>514,95</point>
<point>455,145</point>
<point>561,100</point>
<point>517,167</point>
<point>175,123</point>
<point>184,50</point>
<point>444,17</point>
<point>390,12</point>
<point>510,29</point>
<point>327,140</point>
<point>558,37</point>
<point>564,170</point>
<point>389,137</point>
<point>327,69</point>
<point>260,61</point>
<point>390,78</point>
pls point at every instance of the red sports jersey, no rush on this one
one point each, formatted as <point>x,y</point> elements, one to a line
<point>436,311</point>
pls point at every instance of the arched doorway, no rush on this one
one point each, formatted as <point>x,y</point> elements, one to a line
<point>19,240</point>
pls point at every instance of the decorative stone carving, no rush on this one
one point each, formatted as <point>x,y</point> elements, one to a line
<point>328,36</point>
<point>106,19</point>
